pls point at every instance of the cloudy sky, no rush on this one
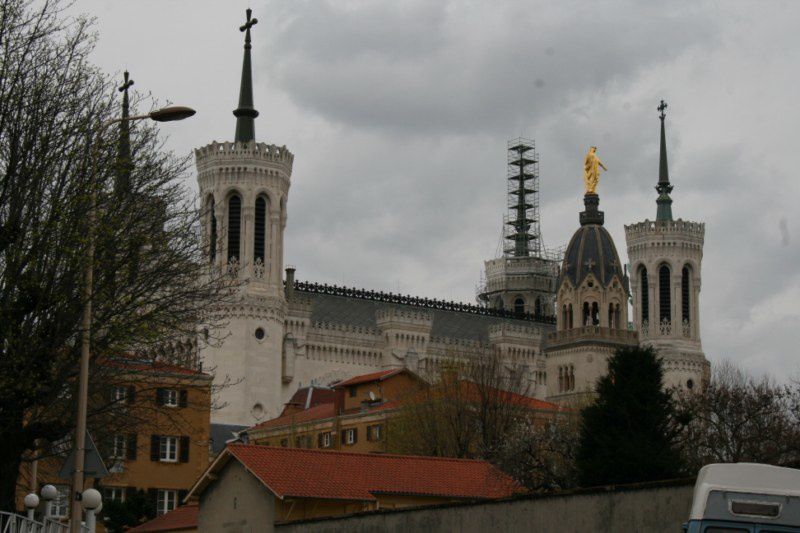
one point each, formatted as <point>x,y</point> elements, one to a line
<point>398,115</point>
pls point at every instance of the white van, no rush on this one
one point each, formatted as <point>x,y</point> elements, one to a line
<point>745,498</point>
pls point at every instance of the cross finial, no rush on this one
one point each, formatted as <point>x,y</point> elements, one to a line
<point>247,25</point>
<point>128,82</point>
<point>662,107</point>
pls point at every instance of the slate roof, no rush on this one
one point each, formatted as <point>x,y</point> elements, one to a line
<point>591,250</point>
<point>183,517</point>
<point>303,473</point>
<point>361,312</point>
<point>221,434</point>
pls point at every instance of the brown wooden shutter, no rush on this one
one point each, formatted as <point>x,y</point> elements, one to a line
<point>319,440</point>
<point>344,437</point>
<point>183,398</point>
<point>131,448</point>
<point>130,493</point>
<point>131,396</point>
<point>182,496</point>
<point>155,447</point>
<point>184,449</point>
<point>355,435</point>
<point>160,396</point>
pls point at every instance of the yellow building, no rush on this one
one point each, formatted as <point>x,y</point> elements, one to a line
<point>163,451</point>
<point>355,417</point>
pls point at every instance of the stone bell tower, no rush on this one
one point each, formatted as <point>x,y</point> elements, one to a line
<point>244,187</point>
<point>665,257</point>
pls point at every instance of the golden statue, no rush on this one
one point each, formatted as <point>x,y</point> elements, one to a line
<point>591,170</point>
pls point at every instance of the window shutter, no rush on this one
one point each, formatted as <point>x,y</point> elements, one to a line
<point>152,497</point>
<point>319,440</point>
<point>131,396</point>
<point>369,433</point>
<point>184,449</point>
<point>160,396</point>
<point>183,399</point>
<point>130,493</point>
<point>182,496</point>
<point>155,447</point>
<point>355,435</point>
<point>131,448</point>
<point>344,437</point>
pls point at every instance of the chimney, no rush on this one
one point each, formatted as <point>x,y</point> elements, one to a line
<point>289,285</point>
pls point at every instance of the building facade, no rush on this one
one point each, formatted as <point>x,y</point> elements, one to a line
<point>558,324</point>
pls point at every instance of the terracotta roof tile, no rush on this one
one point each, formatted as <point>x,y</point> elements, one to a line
<point>184,517</point>
<point>320,412</point>
<point>366,378</point>
<point>302,473</point>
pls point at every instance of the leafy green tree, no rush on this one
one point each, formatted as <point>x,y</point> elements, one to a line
<point>627,435</point>
<point>119,516</point>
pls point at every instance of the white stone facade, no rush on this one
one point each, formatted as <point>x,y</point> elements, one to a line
<point>665,261</point>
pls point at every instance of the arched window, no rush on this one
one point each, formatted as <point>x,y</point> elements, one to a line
<point>564,323</point>
<point>644,296</point>
<point>212,232</point>
<point>618,318</point>
<point>519,306</point>
<point>664,304</point>
<point>569,316</point>
<point>595,314</point>
<point>585,317</point>
<point>260,229</point>
<point>234,226</point>
<point>560,379</point>
<point>538,307</point>
<point>685,294</point>
<point>611,323</point>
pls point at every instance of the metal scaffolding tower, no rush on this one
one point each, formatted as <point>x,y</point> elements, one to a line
<point>522,230</point>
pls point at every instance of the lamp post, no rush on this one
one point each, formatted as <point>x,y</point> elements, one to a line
<point>166,114</point>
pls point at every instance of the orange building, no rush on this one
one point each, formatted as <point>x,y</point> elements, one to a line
<point>353,418</point>
<point>162,453</point>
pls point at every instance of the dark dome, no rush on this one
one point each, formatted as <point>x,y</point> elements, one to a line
<point>592,250</point>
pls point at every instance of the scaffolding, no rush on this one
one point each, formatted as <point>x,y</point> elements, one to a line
<point>522,231</point>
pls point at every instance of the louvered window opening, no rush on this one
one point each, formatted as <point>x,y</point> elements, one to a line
<point>260,227</point>
<point>645,296</point>
<point>234,226</point>
<point>685,294</point>
<point>664,304</point>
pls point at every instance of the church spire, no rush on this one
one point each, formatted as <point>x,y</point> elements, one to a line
<point>664,202</point>
<point>124,148</point>
<point>245,113</point>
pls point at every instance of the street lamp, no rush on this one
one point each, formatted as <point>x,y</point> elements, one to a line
<point>166,114</point>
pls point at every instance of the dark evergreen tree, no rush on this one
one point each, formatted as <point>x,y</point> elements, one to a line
<point>627,435</point>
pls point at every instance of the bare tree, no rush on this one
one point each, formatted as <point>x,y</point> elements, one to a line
<point>152,284</point>
<point>739,418</point>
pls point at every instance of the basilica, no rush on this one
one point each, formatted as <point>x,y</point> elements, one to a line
<point>557,315</point>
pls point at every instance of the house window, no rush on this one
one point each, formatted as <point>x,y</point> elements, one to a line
<point>114,494</point>
<point>168,449</point>
<point>60,507</point>
<point>352,391</point>
<point>171,397</point>
<point>284,443</point>
<point>325,440</point>
<point>350,436</point>
<point>120,394</point>
<point>375,433</point>
<point>167,501</point>
<point>118,447</point>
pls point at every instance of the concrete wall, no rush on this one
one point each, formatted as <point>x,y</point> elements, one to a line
<point>236,503</point>
<point>645,508</point>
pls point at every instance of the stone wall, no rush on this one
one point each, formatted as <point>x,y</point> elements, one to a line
<point>654,508</point>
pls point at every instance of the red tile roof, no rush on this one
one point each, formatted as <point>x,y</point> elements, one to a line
<point>302,473</point>
<point>320,412</point>
<point>366,378</point>
<point>311,397</point>
<point>184,517</point>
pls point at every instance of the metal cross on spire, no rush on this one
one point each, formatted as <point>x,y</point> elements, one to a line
<point>124,149</point>
<point>246,113</point>
<point>246,27</point>
<point>664,187</point>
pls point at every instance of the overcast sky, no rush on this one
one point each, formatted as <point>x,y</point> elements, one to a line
<point>398,115</point>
